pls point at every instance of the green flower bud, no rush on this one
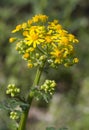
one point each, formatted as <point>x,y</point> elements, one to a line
<point>31,93</point>
<point>12,94</point>
<point>35,64</point>
<point>14,115</point>
<point>42,58</point>
<point>12,90</point>
<point>48,86</point>
<point>37,55</point>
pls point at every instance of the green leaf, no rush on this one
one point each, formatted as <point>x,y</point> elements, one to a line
<point>45,98</point>
<point>12,104</point>
<point>3,106</point>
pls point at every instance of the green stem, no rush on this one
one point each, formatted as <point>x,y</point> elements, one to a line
<point>24,116</point>
<point>41,50</point>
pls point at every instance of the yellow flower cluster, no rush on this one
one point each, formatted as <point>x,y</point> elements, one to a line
<point>41,40</point>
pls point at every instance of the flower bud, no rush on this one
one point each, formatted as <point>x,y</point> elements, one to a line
<point>14,115</point>
<point>12,90</point>
<point>48,86</point>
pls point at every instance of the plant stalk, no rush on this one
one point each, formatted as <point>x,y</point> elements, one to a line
<point>23,120</point>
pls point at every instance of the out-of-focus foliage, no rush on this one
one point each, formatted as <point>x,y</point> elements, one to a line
<point>70,106</point>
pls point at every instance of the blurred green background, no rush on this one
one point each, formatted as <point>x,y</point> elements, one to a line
<point>70,104</point>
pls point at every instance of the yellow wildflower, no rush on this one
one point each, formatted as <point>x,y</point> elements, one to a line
<point>66,52</point>
<point>76,40</point>
<point>55,21</point>
<point>24,25</point>
<point>62,33</point>
<point>64,40</point>
<point>54,25</point>
<point>18,28</point>
<point>48,39</point>
<point>71,48</point>
<point>56,53</point>
<point>32,39</point>
<point>72,38</point>
<point>26,55</point>
<point>37,29</point>
<point>29,22</point>
<point>25,33</point>
<point>67,65</point>
<point>30,49</point>
<point>75,60</point>
<point>58,27</point>
<point>30,65</point>
<point>12,39</point>
<point>40,17</point>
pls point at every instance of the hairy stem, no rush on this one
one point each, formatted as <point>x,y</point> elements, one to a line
<point>24,116</point>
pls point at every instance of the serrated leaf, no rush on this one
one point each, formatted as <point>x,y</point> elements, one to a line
<point>3,106</point>
<point>10,104</point>
<point>45,98</point>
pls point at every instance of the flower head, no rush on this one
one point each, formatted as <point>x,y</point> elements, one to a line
<point>47,39</point>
